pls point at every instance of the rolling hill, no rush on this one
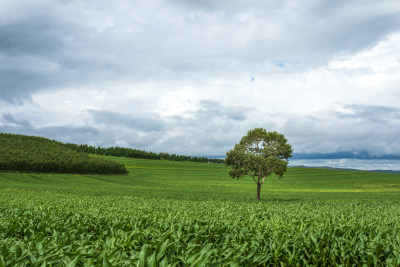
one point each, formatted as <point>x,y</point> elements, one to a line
<point>38,154</point>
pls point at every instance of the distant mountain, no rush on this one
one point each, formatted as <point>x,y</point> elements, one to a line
<point>345,155</point>
<point>336,155</point>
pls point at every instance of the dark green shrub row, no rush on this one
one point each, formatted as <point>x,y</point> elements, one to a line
<point>31,153</point>
<point>134,153</point>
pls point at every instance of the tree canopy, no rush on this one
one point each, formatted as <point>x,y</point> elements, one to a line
<point>259,154</point>
<point>141,154</point>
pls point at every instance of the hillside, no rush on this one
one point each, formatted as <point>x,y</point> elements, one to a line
<point>202,181</point>
<point>165,213</point>
<point>38,154</point>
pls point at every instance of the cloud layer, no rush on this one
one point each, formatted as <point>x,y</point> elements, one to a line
<point>191,77</point>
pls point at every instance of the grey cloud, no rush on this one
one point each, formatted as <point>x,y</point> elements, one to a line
<point>10,120</point>
<point>38,36</point>
<point>10,123</point>
<point>212,115</point>
<point>92,43</point>
<point>377,114</point>
<point>147,122</point>
<point>53,45</point>
<point>96,136</point>
<point>82,135</point>
<point>211,133</point>
<point>373,129</point>
<point>17,85</point>
<point>79,135</point>
<point>211,109</point>
<point>227,5</point>
<point>211,130</point>
<point>33,35</point>
<point>353,35</point>
<point>313,37</point>
<point>208,141</point>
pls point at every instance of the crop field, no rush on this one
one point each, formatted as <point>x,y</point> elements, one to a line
<point>167,213</point>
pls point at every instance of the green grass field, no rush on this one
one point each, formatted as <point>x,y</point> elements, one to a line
<point>167,213</point>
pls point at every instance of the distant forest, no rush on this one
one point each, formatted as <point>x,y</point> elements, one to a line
<point>134,153</point>
<point>38,154</point>
<point>33,153</point>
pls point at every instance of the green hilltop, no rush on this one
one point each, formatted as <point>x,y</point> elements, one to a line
<point>38,154</point>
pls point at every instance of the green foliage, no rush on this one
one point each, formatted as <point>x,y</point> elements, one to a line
<point>139,154</point>
<point>259,154</point>
<point>31,153</point>
<point>166,213</point>
<point>131,231</point>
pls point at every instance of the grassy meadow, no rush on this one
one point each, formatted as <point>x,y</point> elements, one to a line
<point>165,213</point>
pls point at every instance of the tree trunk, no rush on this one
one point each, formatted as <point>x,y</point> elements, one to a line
<point>258,191</point>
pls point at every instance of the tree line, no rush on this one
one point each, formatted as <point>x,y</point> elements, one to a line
<point>135,153</point>
<point>32,153</point>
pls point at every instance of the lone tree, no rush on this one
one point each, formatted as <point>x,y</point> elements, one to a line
<point>259,154</point>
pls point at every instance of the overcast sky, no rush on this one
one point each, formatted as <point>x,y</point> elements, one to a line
<point>192,77</point>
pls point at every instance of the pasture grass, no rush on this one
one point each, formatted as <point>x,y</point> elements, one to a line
<point>194,181</point>
<point>193,214</point>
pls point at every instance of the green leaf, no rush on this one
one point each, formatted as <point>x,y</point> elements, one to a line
<point>143,256</point>
<point>151,261</point>
<point>163,263</point>
<point>161,249</point>
<point>106,262</point>
<point>4,251</point>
